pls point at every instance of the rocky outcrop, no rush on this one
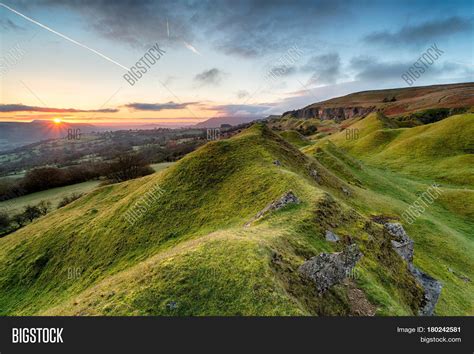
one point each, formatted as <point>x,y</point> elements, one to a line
<point>432,288</point>
<point>328,269</point>
<point>327,113</point>
<point>404,246</point>
<point>287,198</point>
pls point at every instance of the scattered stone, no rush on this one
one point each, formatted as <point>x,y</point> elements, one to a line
<point>287,198</point>
<point>404,246</point>
<point>328,269</point>
<point>346,191</point>
<point>314,173</point>
<point>331,237</point>
<point>277,163</point>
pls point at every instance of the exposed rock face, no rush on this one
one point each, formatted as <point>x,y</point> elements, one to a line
<point>287,198</point>
<point>331,237</point>
<point>325,113</point>
<point>328,269</point>
<point>404,246</point>
<point>432,289</point>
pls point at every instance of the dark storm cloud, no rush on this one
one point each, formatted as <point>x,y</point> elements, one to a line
<point>210,77</point>
<point>136,23</point>
<point>157,106</point>
<point>247,28</point>
<point>425,32</point>
<point>22,108</point>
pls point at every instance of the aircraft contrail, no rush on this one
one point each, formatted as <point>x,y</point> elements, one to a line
<point>64,36</point>
<point>191,48</point>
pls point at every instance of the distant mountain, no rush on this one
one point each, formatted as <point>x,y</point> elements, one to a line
<point>216,122</point>
<point>16,134</point>
<point>391,102</point>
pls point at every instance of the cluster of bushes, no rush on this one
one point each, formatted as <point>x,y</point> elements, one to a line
<point>69,199</point>
<point>307,130</point>
<point>30,213</point>
<point>157,154</point>
<point>125,167</point>
<point>427,116</point>
<point>43,178</point>
<point>128,167</point>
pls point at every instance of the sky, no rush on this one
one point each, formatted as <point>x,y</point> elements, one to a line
<point>67,59</point>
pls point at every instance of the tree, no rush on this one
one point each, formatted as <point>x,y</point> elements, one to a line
<point>4,220</point>
<point>32,212</point>
<point>43,207</point>
<point>127,167</point>
<point>19,219</point>
<point>44,178</point>
<point>69,199</point>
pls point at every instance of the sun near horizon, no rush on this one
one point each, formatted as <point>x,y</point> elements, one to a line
<point>57,121</point>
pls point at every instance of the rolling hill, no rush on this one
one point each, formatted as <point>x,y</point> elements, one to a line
<point>213,243</point>
<point>452,98</point>
<point>442,150</point>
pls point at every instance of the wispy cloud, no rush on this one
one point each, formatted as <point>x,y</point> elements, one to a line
<point>210,77</point>
<point>158,106</point>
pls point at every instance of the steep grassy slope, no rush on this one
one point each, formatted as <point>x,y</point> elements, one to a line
<point>443,150</point>
<point>190,254</point>
<point>443,234</point>
<point>295,138</point>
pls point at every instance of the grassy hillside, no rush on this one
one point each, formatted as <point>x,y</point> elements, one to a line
<point>408,99</point>
<point>444,241</point>
<point>191,254</point>
<point>295,138</point>
<point>443,150</point>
